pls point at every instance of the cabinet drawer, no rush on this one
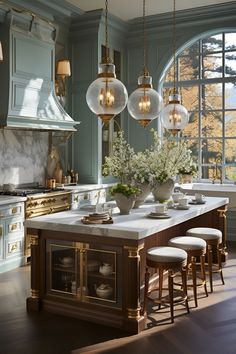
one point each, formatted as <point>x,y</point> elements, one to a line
<point>13,247</point>
<point>12,210</point>
<point>13,227</point>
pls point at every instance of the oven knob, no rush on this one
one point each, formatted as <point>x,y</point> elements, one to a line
<point>35,203</point>
<point>43,202</point>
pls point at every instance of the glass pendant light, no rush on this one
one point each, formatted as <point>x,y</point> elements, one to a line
<point>106,96</point>
<point>144,103</point>
<point>174,116</point>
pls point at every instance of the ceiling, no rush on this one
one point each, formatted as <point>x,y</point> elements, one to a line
<point>127,10</point>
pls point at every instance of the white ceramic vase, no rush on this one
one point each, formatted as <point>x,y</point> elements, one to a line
<point>162,191</point>
<point>125,204</point>
<point>145,191</point>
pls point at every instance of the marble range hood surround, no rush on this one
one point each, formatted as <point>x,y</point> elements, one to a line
<point>28,99</point>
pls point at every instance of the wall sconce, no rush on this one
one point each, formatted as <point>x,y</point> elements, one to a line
<point>63,71</point>
<point>1,53</point>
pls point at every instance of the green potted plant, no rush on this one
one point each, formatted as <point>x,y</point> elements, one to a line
<point>124,195</point>
<point>188,173</point>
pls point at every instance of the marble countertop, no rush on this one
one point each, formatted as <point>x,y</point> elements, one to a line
<point>87,187</point>
<point>134,226</point>
<point>7,199</point>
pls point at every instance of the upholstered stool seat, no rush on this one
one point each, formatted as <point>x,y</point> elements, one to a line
<point>173,260</point>
<point>196,249</point>
<point>213,238</point>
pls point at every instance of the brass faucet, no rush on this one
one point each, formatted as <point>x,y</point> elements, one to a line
<point>216,174</point>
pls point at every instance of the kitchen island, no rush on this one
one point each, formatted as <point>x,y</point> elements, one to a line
<point>96,272</point>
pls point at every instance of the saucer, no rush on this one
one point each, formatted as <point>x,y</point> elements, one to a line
<point>193,201</point>
<point>157,214</point>
<point>160,216</point>
<point>182,207</point>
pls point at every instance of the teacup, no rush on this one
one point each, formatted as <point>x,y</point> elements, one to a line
<point>199,197</point>
<point>183,201</point>
<point>176,196</point>
<point>161,208</point>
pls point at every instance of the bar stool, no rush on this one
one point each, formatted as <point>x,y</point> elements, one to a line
<point>196,249</point>
<point>213,238</point>
<point>173,260</point>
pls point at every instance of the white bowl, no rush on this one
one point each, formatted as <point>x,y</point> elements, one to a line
<point>104,291</point>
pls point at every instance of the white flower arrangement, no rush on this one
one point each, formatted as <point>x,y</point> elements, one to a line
<point>168,157</point>
<point>162,161</point>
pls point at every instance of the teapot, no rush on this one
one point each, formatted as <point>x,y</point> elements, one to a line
<point>176,196</point>
<point>106,269</point>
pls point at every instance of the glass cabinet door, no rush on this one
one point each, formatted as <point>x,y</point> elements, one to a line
<point>89,273</point>
<point>63,265</point>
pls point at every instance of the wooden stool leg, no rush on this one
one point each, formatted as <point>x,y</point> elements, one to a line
<point>203,272</point>
<point>185,288</point>
<point>161,271</point>
<point>220,265</point>
<point>171,294</point>
<point>194,277</point>
<point>209,256</point>
<point>147,275</point>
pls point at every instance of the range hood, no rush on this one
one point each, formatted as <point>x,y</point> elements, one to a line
<point>28,99</point>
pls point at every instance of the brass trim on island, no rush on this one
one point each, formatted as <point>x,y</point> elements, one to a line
<point>134,314</point>
<point>133,252</point>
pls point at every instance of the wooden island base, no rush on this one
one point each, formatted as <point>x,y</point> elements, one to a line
<point>99,277</point>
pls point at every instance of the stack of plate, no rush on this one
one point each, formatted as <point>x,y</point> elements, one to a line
<point>98,216</point>
<point>155,215</point>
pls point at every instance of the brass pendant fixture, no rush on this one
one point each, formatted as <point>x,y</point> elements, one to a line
<point>174,116</point>
<point>106,96</point>
<point>144,103</point>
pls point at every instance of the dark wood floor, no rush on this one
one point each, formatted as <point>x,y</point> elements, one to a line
<point>209,329</point>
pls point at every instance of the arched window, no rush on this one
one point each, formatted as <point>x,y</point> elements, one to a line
<point>206,78</point>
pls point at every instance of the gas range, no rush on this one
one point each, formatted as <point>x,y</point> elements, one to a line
<point>30,191</point>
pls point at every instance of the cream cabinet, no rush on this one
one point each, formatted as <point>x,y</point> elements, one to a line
<point>11,236</point>
<point>79,199</point>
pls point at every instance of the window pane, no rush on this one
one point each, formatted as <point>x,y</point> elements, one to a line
<point>230,64</point>
<point>230,124</point>
<point>192,51</point>
<point>209,172</point>
<point>189,68</point>
<point>212,66</point>
<point>230,95</point>
<point>190,97</point>
<point>230,150</point>
<point>212,124</point>
<point>191,129</point>
<point>230,173</point>
<point>170,75</point>
<point>211,150</point>
<point>230,41</point>
<point>212,44</point>
<point>211,97</point>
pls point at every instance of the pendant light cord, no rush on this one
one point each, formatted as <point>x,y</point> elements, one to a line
<point>145,72</point>
<point>106,32</point>
<point>174,45</point>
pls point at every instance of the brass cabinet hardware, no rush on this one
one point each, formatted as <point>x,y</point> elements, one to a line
<point>14,210</point>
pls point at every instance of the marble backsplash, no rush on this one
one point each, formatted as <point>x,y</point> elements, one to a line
<point>23,156</point>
